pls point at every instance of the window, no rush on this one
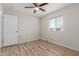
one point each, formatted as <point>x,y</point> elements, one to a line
<point>56,23</point>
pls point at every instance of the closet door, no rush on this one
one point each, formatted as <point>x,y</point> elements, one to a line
<point>9,30</point>
<point>0,30</point>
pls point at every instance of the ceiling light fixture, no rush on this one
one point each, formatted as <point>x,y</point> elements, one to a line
<point>36,8</point>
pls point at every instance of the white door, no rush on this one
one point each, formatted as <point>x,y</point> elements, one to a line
<point>0,31</point>
<point>9,30</point>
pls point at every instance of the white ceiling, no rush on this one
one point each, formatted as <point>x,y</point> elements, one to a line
<point>51,7</point>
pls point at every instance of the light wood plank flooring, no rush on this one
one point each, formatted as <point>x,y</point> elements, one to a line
<point>37,48</point>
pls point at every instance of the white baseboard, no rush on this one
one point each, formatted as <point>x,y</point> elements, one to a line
<point>55,42</point>
<point>27,41</point>
<point>42,38</point>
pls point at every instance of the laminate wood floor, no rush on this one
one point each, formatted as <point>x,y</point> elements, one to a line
<point>37,48</point>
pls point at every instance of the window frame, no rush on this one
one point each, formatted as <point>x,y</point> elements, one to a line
<point>52,29</point>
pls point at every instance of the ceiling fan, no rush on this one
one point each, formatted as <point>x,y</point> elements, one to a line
<point>37,6</point>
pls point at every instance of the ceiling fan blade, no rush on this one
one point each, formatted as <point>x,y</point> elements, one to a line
<point>42,9</point>
<point>35,4</point>
<point>43,4</point>
<point>28,7</point>
<point>34,11</point>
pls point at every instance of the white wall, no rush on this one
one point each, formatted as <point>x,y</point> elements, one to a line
<point>28,25</point>
<point>70,36</point>
<point>28,28</point>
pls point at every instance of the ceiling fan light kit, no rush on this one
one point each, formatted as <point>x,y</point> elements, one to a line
<point>36,8</point>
